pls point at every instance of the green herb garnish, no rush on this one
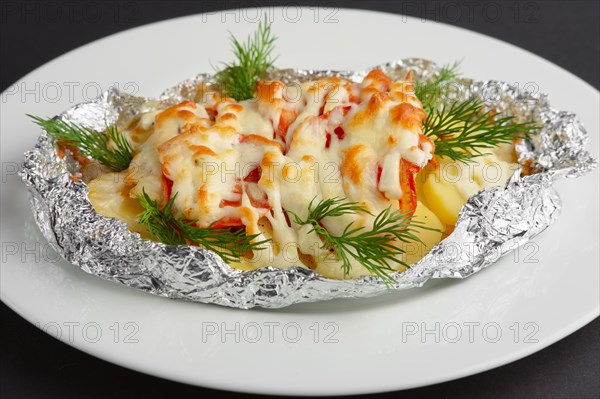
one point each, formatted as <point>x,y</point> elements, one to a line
<point>375,249</point>
<point>165,227</point>
<point>253,59</point>
<point>432,93</point>
<point>462,131</point>
<point>110,147</point>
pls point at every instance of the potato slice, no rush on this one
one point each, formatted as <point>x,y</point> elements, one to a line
<point>110,197</point>
<point>429,238</point>
<point>446,189</point>
<point>443,198</point>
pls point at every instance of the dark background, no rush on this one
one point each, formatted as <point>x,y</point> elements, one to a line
<point>35,365</point>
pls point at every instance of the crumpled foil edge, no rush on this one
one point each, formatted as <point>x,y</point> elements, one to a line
<point>491,224</point>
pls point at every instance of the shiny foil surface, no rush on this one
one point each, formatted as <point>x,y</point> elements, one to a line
<point>492,223</point>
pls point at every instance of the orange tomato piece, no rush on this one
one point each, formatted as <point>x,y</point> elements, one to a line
<point>167,187</point>
<point>408,202</point>
<point>285,120</point>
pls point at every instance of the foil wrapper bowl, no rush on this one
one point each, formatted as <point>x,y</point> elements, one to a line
<point>491,224</point>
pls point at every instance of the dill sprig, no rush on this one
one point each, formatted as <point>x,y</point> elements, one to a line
<point>253,59</point>
<point>375,249</point>
<point>431,93</point>
<point>110,147</point>
<point>462,131</point>
<point>165,227</point>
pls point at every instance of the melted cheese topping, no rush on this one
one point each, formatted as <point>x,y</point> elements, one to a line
<point>255,163</point>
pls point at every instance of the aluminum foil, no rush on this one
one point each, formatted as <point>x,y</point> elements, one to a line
<point>492,223</point>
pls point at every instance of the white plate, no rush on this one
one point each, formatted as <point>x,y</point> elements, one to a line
<point>363,345</point>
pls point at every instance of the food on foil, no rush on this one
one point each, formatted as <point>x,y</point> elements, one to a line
<point>345,177</point>
<point>419,153</point>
